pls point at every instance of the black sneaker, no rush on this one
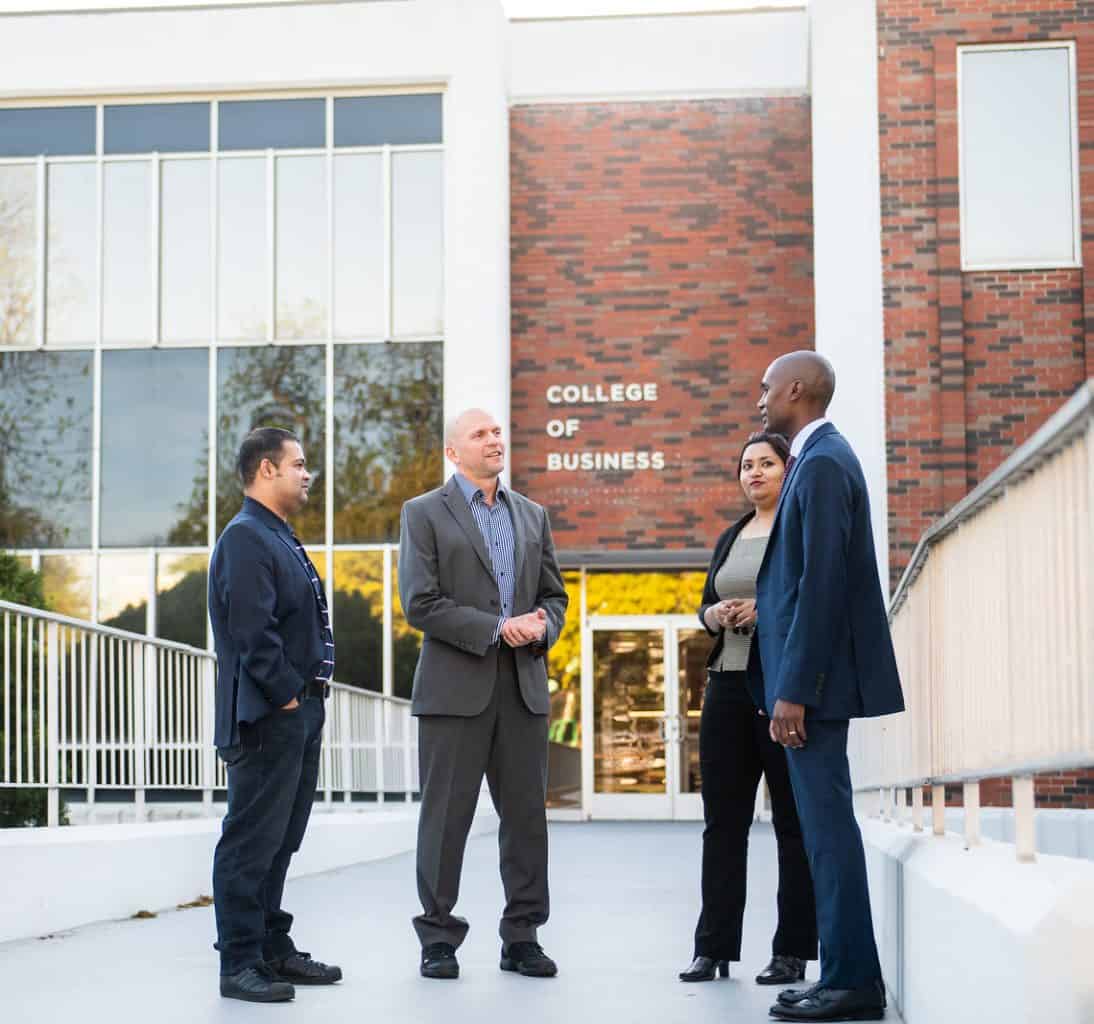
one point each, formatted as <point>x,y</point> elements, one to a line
<point>528,958</point>
<point>256,984</point>
<point>300,969</point>
<point>439,961</point>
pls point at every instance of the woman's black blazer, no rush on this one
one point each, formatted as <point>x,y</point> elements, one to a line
<point>710,596</point>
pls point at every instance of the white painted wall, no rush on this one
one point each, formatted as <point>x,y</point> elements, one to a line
<point>847,235</point>
<point>972,935</point>
<point>456,43</point>
<point>56,879</point>
<point>726,54</point>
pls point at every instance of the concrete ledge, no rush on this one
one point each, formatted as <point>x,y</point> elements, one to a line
<point>975,935</point>
<point>56,879</point>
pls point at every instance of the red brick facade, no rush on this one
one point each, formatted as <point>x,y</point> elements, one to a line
<point>665,243</point>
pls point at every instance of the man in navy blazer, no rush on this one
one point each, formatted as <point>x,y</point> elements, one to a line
<point>275,660</point>
<point>827,657</point>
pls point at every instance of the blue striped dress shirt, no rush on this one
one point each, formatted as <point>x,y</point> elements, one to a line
<point>496,526</point>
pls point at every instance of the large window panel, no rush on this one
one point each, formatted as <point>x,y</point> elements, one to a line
<point>418,242</point>
<point>47,131</point>
<point>18,253</point>
<point>185,250</point>
<point>302,247</point>
<point>243,282</point>
<point>272,386</point>
<point>387,120</point>
<point>155,441</point>
<point>272,124</point>
<point>181,585</point>
<point>358,245</point>
<point>123,591</point>
<point>156,128</point>
<point>66,583</point>
<point>71,253</point>
<point>129,280</point>
<point>388,435</point>
<point>45,467</point>
<point>359,618</point>
<point>1017,158</point>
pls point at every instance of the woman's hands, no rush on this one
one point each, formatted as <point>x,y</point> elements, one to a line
<point>737,613</point>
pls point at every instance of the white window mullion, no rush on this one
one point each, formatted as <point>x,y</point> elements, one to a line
<point>271,246</point>
<point>97,390</point>
<point>40,254</point>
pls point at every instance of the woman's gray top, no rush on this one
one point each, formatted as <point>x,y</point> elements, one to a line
<point>737,579</point>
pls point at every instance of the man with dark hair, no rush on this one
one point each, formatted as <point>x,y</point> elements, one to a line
<point>827,657</point>
<point>275,660</point>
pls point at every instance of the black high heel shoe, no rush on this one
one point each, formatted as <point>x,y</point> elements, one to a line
<point>702,969</point>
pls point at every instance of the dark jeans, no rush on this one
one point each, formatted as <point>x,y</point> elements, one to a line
<point>822,787</point>
<point>272,776</point>
<point>735,749</point>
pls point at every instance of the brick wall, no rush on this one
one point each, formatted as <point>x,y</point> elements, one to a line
<point>975,362</point>
<point>666,243</point>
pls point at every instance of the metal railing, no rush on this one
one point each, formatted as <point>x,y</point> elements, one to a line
<point>993,624</point>
<point>91,708</point>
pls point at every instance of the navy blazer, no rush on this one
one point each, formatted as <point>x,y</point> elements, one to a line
<point>823,630</point>
<point>266,620</point>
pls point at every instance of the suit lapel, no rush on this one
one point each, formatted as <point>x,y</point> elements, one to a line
<point>518,535</point>
<point>298,555</point>
<point>454,501</point>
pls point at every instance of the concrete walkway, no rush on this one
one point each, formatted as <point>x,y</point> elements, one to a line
<point>624,903</point>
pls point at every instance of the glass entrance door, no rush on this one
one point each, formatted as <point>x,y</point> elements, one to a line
<point>644,684</point>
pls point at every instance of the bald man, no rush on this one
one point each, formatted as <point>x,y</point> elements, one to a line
<point>827,657</point>
<point>478,576</point>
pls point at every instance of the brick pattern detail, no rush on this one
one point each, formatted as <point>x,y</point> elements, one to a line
<point>974,362</point>
<point>666,242</point>
<point>1062,790</point>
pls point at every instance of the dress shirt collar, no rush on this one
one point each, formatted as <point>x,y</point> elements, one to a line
<point>804,434</point>
<point>469,490</point>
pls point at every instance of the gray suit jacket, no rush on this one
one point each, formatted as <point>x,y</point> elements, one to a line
<point>448,591</point>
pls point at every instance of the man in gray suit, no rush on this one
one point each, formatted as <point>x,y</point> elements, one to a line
<point>478,576</point>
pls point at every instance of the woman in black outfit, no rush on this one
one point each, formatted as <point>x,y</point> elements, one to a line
<point>735,748</point>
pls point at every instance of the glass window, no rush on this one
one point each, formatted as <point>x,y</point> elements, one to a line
<point>45,474</point>
<point>181,582</point>
<point>71,253</point>
<point>66,581</point>
<point>242,279</point>
<point>272,124</point>
<point>394,120</point>
<point>49,131</point>
<point>156,128</point>
<point>1017,158</point>
<point>302,247</point>
<point>388,435</point>
<point>185,250</point>
<point>129,281</point>
<point>359,618</point>
<point>418,243</point>
<point>406,641</point>
<point>644,593</point>
<point>123,591</point>
<point>18,253</point>
<point>272,386</point>
<point>358,245</point>
<point>154,437</point>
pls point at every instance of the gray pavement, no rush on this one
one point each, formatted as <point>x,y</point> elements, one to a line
<point>624,899</point>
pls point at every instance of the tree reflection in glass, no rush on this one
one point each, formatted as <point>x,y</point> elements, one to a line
<point>18,257</point>
<point>123,591</point>
<point>359,618</point>
<point>45,460</point>
<point>181,582</point>
<point>66,581</point>
<point>388,444</point>
<point>271,386</point>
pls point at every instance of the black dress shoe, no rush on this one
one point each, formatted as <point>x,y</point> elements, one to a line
<point>790,996</point>
<point>439,961</point>
<point>256,985</point>
<point>834,1004</point>
<point>301,969</point>
<point>782,971</point>
<point>702,969</point>
<point>528,958</point>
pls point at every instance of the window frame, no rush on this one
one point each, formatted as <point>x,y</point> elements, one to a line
<point>1076,260</point>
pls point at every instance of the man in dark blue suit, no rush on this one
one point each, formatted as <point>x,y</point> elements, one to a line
<point>275,660</point>
<point>827,657</point>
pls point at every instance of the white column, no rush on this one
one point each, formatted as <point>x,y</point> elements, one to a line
<point>847,234</point>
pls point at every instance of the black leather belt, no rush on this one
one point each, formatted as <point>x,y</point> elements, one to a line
<point>317,688</point>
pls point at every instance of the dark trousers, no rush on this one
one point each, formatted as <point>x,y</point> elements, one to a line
<point>507,744</point>
<point>735,749</point>
<point>272,776</point>
<point>822,788</point>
